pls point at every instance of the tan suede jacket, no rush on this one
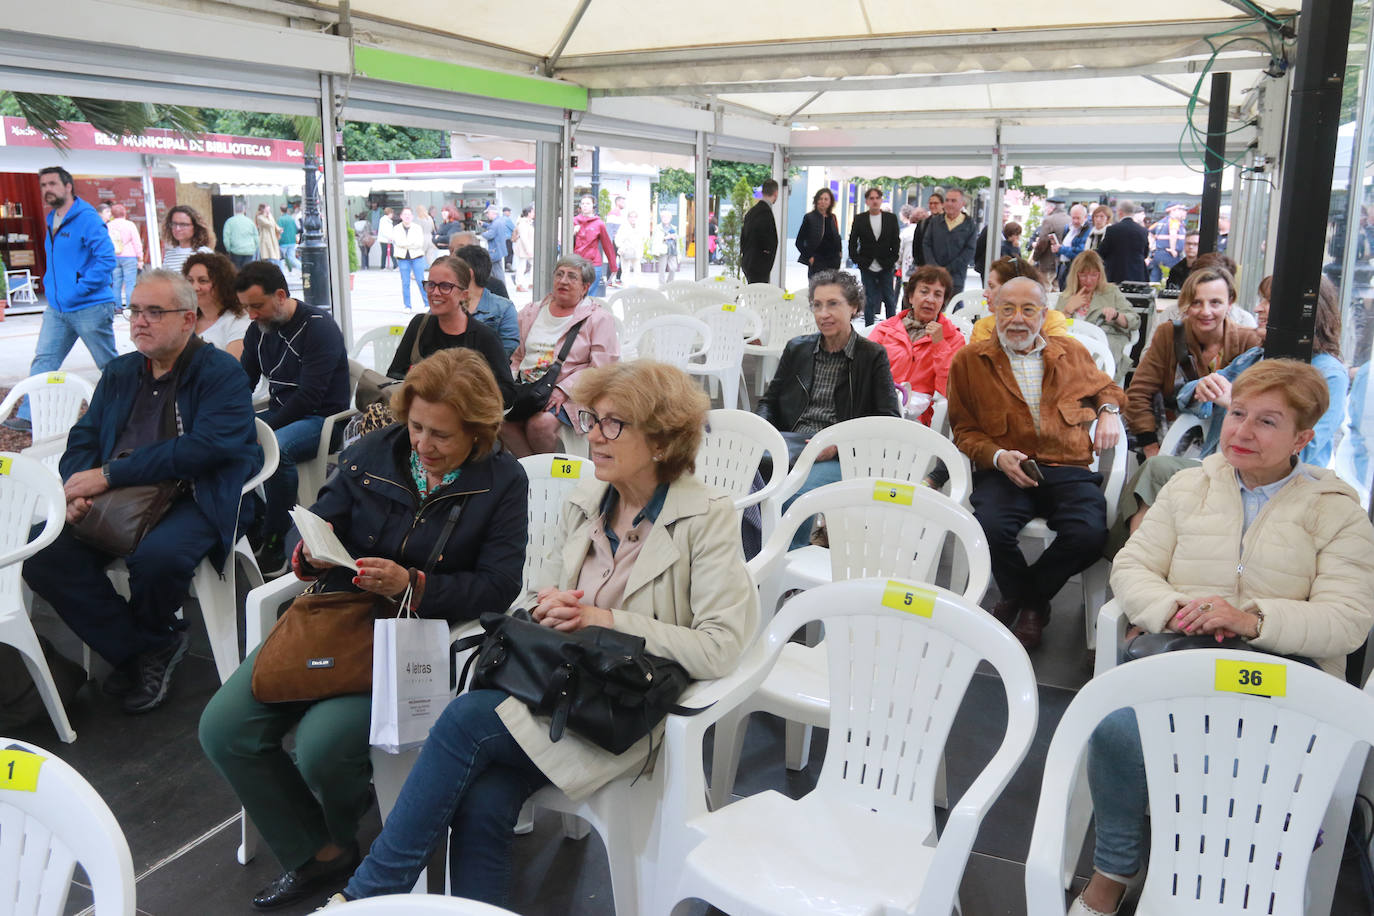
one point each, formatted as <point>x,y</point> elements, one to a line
<point>987,411</point>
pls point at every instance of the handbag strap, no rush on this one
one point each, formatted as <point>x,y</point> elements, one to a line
<point>568,342</point>
<point>415,344</point>
<point>449,524</point>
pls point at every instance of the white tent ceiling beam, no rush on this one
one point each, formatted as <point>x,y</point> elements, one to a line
<point>976,78</point>
<point>567,35</point>
<point>1022,50</point>
<point>433,109</point>
<point>1172,115</point>
<point>1172,88</point>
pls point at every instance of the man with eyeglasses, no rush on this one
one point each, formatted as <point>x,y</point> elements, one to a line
<point>175,410</point>
<point>77,284</point>
<point>1020,406</point>
<point>950,239</point>
<point>300,350</point>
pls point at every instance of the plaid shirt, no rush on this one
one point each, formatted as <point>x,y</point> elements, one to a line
<point>1029,369</point>
<point>826,371</point>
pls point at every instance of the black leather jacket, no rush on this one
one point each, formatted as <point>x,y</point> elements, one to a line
<point>866,390</point>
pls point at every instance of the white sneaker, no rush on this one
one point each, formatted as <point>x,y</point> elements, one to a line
<point>1079,908</point>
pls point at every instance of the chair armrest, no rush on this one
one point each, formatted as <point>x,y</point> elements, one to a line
<point>327,431</point>
<point>1111,633</point>
<point>262,605</point>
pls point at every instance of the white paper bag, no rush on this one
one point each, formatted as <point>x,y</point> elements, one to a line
<point>409,680</point>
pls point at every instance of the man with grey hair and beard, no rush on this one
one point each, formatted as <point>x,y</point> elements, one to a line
<point>1020,406</point>
<point>178,410</point>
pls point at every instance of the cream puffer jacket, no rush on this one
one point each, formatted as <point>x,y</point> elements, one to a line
<point>1307,560</point>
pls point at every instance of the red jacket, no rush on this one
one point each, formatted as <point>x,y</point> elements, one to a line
<point>592,238</point>
<point>924,364</point>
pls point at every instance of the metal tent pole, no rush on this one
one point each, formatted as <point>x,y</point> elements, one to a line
<point>1214,160</point>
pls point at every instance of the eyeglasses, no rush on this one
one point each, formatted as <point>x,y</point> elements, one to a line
<point>182,225</point>
<point>1011,311</point>
<point>443,286</point>
<point>152,313</point>
<point>574,275</point>
<point>610,426</point>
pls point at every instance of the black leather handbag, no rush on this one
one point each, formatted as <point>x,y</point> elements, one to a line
<point>531,397</point>
<point>597,682</point>
<point>1147,644</point>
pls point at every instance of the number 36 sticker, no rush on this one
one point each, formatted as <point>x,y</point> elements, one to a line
<point>1259,679</point>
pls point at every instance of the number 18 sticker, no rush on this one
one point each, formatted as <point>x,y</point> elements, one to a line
<point>567,467</point>
<point>1261,679</point>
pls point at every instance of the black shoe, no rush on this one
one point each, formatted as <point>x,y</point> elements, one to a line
<point>155,675</point>
<point>1005,612</point>
<point>18,424</point>
<point>121,680</point>
<point>272,556</point>
<point>307,881</point>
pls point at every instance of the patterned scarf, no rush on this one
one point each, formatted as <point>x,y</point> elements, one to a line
<point>421,478</point>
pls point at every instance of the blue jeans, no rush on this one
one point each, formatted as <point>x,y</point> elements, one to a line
<point>878,289</point>
<point>125,276</point>
<point>1116,779</point>
<point>412,268</point>
<point>472,777</point>
<point>822,473</point>
<point>599,285</point>
<point>288,254</point>
<point>59,332</point>
<point>298,441</point>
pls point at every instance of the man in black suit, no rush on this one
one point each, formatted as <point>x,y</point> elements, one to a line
<point>1125,246</point>
<point>874,242</point>
<point>758,236</point>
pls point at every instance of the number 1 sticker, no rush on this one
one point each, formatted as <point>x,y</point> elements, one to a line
<point>566,467</point>
<point>890,491</point>
<point>19,771</point>
<point>5,466</point>
<point>910,598</point>
<point>1261,679</point>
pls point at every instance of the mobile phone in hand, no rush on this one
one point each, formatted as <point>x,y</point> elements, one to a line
<point>1032,470</point>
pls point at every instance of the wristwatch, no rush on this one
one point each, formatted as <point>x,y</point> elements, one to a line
<point>105,472</point>
<point>1109,408</point>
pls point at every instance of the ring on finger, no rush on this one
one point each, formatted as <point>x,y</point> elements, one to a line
<point>1205,606</point>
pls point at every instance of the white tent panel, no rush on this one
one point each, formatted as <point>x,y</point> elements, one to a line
<point>1133,179</point>
<point>226,174</point>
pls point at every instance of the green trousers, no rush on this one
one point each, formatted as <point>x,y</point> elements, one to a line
<point>298,805</point>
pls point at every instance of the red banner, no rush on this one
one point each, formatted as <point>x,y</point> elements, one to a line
<point>82,136</point>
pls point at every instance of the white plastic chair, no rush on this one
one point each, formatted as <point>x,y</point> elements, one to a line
<point>678,290</point>
<point>864,840</point>
<point>1094,339</point>
<point>1094,578</point>
<point>28,490</point>
<point>551,479</point>
<point>731,449</point>
<point>1185,436</point>
<point>760,297</point>
<point>418,905</point>
<point>730,286</point>
<point>671,339</point>
<point>384,341</point>
<point>54,402</point>
<point>627,329</point>
<point>968,303</point>
<point>876,528</point>
<point>311,473</point>
<point>48,827</point>
<point>216,594</point>
<point>625,302</point>
<point>1240,785</point>
<point>732,326</point>
<point>19,287</point>
<point>964,323</point>
<point>778,325</point>
<point>886,447</point>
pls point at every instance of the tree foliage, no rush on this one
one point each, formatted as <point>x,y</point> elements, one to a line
<point>45,113</point>
<point>741,196</point>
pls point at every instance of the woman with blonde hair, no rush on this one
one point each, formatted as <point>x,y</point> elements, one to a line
<point>646,549</point>
<point>1087,296</point>
<point>269,248</point>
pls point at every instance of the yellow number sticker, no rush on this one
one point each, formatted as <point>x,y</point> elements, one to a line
<point>910,598</point>
<point>788,297</point>
<point>19,771</point>
<point>889,491</point>
<point>728,307</point>
<point>5,467</point>
<point>720,279</point>
<point>56,378</point>
<point>567,467</point>
<point>396,330</point>
<point>1259,679</point>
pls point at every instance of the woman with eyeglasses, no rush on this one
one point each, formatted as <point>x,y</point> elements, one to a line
<point>449,289</point>
<point>545,327</point>
<point>646,549</point>
<point>184,233</point>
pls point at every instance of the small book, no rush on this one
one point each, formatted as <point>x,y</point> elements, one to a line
<point>324,545</point>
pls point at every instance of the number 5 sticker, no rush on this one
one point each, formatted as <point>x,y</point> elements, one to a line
<point>19,771</point>
<point>1261,679</point>
<point>890,491</point>
<point>910,598</point>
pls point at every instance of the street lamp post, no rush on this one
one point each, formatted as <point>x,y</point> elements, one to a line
<point>314,255</point>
